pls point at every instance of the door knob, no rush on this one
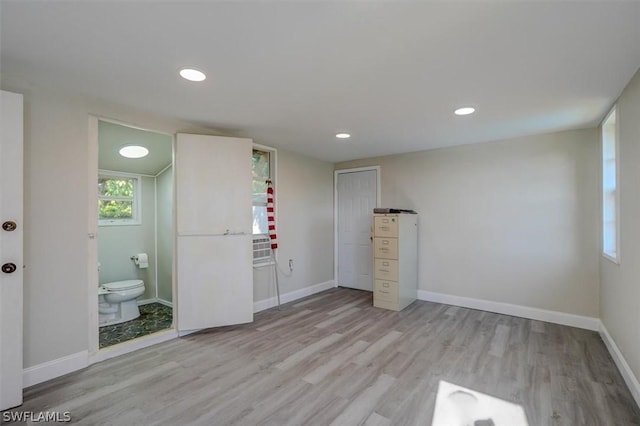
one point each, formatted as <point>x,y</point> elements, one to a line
<point>9,226</point>
<point>9,268</point>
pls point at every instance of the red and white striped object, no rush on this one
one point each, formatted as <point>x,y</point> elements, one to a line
<point>271,221</point>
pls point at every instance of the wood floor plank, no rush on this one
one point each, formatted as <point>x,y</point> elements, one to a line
<point>284,320</point>
<point>336,318</point>
<point>333,357</point>
<point>537,326</point>
<point>499,342</point>
<point>345,307</point>
<point>365,357</point>
<point>308,351</point>
<point>338,360</point>
<point>376,419</point>
<point>361,407</point>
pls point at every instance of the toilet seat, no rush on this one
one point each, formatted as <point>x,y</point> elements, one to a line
<point>117,301</point>
<point>123,285</point>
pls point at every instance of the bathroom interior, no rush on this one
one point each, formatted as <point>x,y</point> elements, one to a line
<point>135,234</point>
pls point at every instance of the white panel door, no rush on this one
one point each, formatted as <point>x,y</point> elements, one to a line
<point>357,196</point>
<point>214,231</point>
<point>11,160</point>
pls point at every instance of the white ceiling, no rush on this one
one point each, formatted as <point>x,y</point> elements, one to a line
<point>292,74</point>
<point>112,137</point>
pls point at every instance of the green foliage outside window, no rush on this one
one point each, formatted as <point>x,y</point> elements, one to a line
<point>115,198</point>
<point>113,209</point>
<point>260,170</point>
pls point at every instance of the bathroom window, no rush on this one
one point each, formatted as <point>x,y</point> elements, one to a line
<point>263,169</point>
<point>118,199</point>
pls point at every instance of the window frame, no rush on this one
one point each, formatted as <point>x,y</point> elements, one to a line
<point>613,256</point>
<point>273,158</point>
<point>136,205</point>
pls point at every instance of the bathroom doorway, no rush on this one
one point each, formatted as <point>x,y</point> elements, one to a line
<point>134,242</point>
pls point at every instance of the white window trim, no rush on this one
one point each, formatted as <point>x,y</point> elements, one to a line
<point>137,205</point>
<point>273,172</point>
<point>612,257</point>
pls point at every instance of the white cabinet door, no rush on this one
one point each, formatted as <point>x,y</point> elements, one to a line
<point>214,231</point>
<point>11,160</point>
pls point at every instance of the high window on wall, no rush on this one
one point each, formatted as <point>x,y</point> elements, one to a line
<point>610,223</point>
<point>118,199</point>
<point>263,169</point>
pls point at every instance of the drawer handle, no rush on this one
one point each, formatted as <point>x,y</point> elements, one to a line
<point>385,285</point>
<point>384,228</point>
<point>384,270</point>
<point>385,263</point>
<point>384,291</point>
<point>384,249</point>
<point>385,220</point>
<point>385,242</point>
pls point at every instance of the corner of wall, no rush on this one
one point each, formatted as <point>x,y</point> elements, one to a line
<point>627,374</point>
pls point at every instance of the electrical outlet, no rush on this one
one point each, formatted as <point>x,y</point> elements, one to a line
<point>291,265</point>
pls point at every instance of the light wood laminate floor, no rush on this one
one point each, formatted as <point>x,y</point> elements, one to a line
<point>334,359</point>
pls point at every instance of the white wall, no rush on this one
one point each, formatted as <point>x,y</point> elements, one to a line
<point>116,245</point>
<point>57,219</point>
<point>304,209</point>
<point>512,221</point>
<point>164,184</point>
<point>55,279</point>
<point>620,293</point>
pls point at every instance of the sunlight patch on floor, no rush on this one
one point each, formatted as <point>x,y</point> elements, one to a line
<point>458,406</point>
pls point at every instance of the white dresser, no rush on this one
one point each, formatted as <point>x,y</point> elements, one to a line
<point>395,260</point>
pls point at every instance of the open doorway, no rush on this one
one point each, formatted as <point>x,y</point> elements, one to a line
<point>134,242</point>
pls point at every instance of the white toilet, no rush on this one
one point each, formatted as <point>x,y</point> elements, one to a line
<point>117,301</point>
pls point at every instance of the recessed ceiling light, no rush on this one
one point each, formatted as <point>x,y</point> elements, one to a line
<point>134,151</point>
<point>464,111</point>
<point>192,74</point>
<point>343,135</point>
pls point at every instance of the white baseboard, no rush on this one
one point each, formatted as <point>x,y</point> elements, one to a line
<point>261,305</point>
<point>555,317</point>
<point>132,345</point>
<point>55,368</point>
<point>164,302</point>
<point>630,379</point>
<point>155,300</point>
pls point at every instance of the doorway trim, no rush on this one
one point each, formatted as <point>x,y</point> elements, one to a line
<point>336,173</point>
<point>95,354</point>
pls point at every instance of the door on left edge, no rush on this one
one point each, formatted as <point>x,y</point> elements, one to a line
<point>11,226</point>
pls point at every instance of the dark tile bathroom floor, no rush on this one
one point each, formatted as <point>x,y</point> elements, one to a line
<point>153,317</point>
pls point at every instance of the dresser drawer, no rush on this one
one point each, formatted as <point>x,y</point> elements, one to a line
<point>385,269</point>
<point>386,291</point>
<point>384,226</point>
<point>385,248</point>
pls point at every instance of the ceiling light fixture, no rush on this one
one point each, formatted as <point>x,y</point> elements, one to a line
<point>192,74</point>
<point>464,111</point>
<point>343,135</point>
<point>134,151</point>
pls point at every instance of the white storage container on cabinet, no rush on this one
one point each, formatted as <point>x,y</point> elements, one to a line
<point>395,263</point>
